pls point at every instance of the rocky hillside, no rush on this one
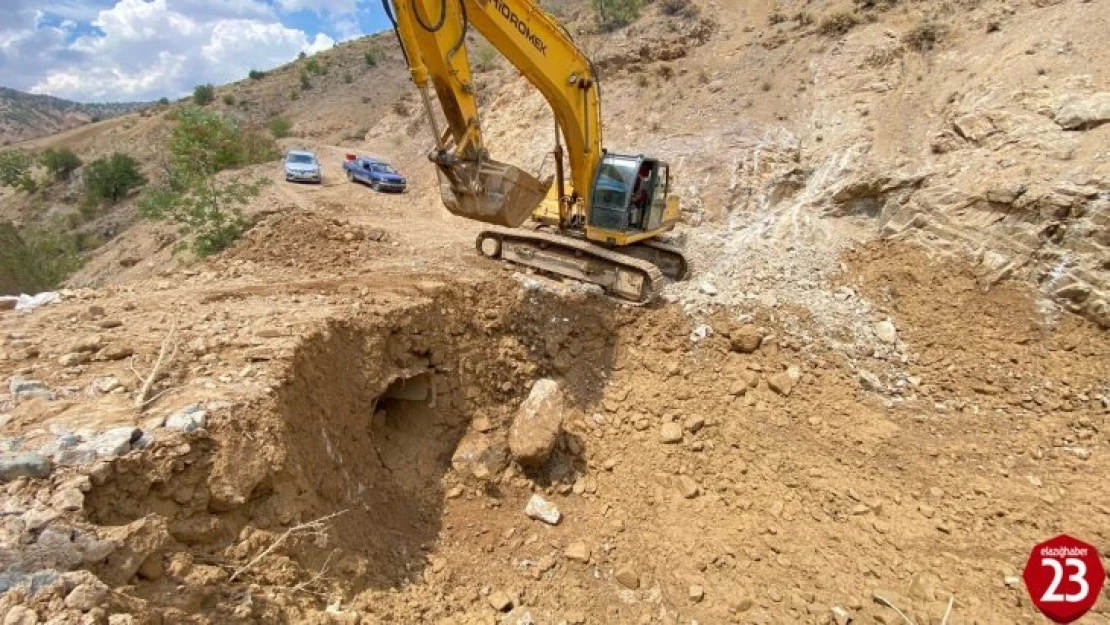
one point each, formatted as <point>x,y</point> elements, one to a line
<point>26,115</point>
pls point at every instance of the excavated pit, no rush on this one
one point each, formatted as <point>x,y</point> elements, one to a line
<point>363,427</point>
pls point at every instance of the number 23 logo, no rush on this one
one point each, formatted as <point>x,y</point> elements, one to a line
<point>1052,594</point>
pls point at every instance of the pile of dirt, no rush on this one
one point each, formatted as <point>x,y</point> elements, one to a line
<point>335,244</point>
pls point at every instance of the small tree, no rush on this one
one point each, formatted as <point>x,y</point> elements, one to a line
<point>280,127</point>
<point>229,100</point>
<point>207,209</point>
<point>614,14</point>
<point>60,162</point>
<point>164,101</point>
<point>112,178</point>
<point>256,74</point>
<point>204,94</point>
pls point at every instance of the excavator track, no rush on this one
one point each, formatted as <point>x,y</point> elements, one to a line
<point>622,276</point>
<point>669,259</point>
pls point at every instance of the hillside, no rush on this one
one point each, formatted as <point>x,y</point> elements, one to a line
<point>884,383</point>
<point>26,116</point>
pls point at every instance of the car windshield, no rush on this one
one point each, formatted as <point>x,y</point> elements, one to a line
<point>304,159</point>
<point>383,168</point>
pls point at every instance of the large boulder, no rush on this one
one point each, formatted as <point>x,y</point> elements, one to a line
<point>537,424</point>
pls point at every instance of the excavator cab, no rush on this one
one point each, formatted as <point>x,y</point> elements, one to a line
<point>629,194</point>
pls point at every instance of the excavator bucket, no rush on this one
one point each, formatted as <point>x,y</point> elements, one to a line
<point>504,195</point>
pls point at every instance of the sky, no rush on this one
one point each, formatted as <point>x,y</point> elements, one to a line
<point>141,50</point>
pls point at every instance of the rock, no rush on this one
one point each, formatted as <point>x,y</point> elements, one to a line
<point>541,509</point>
<point>152,568</point>
<point>143,442</point>
<point>114,352</point>
<point>707,289</point>
<point>500,601</point>
<point>480,455</point>
<point>15,464</point>
<point>694,424</point>
<point>481,424</point>
<point>578,552</point>
<point>73,359</point>
<point>121,619</point>
<point>74,457</point>
<point>187,419</point>
<point>784,382</point>
<point>745,339</point>
<point>885,332</point>
<point>105,385</point>
<point>115,442</point>
<point>537,424</point>
<point>1083,112</point>
<point>869,381</point>
<point>88,344</point>
<point>8,302</point>
<point>37,518</point>
<point>628,578</point>
<point>95,312</point>
<point>68,499</point>
<point>670,433</point>
<point>687,486</point>
<point>21,615</point>
<point>109,324</point>
<point>840,616</point>
<point>24,389</point>
<point>86,596</point>
<point>696,593</point>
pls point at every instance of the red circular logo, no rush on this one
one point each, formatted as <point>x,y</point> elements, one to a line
<point>1064,577</point>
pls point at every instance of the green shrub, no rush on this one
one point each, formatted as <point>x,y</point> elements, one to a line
<point>294,94</point>
<point>229,100</point>
<point>60,162</point>
<point>164,101</point>
<point>204,94</point>
<point>15,168</point>
<point>280,127</point>
<point>614,14</point>
<point>313,65</point>
<point>302,54</point>
<point>256,74</point>
<point>372,56</point>
<point>925,35</point>
<point>348,78</point>
<point>306,82</point>
<point>112,178</point>
<point>206,209</point>
<point>837,24</point>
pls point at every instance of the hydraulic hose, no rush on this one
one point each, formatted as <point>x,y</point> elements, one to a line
<point>393,20</point>
<point>425,25</point>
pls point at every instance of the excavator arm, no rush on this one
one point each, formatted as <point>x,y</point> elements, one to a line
<point>432,35</point>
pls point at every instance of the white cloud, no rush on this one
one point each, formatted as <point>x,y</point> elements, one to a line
<point>145,49</point>
<point>334,7</point>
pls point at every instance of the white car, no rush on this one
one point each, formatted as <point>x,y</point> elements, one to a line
<point>302,166</point>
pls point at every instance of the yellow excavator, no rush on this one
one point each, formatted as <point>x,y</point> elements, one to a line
<point>601,226</point>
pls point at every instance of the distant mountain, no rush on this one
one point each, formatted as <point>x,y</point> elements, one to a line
<point>26,116</point>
